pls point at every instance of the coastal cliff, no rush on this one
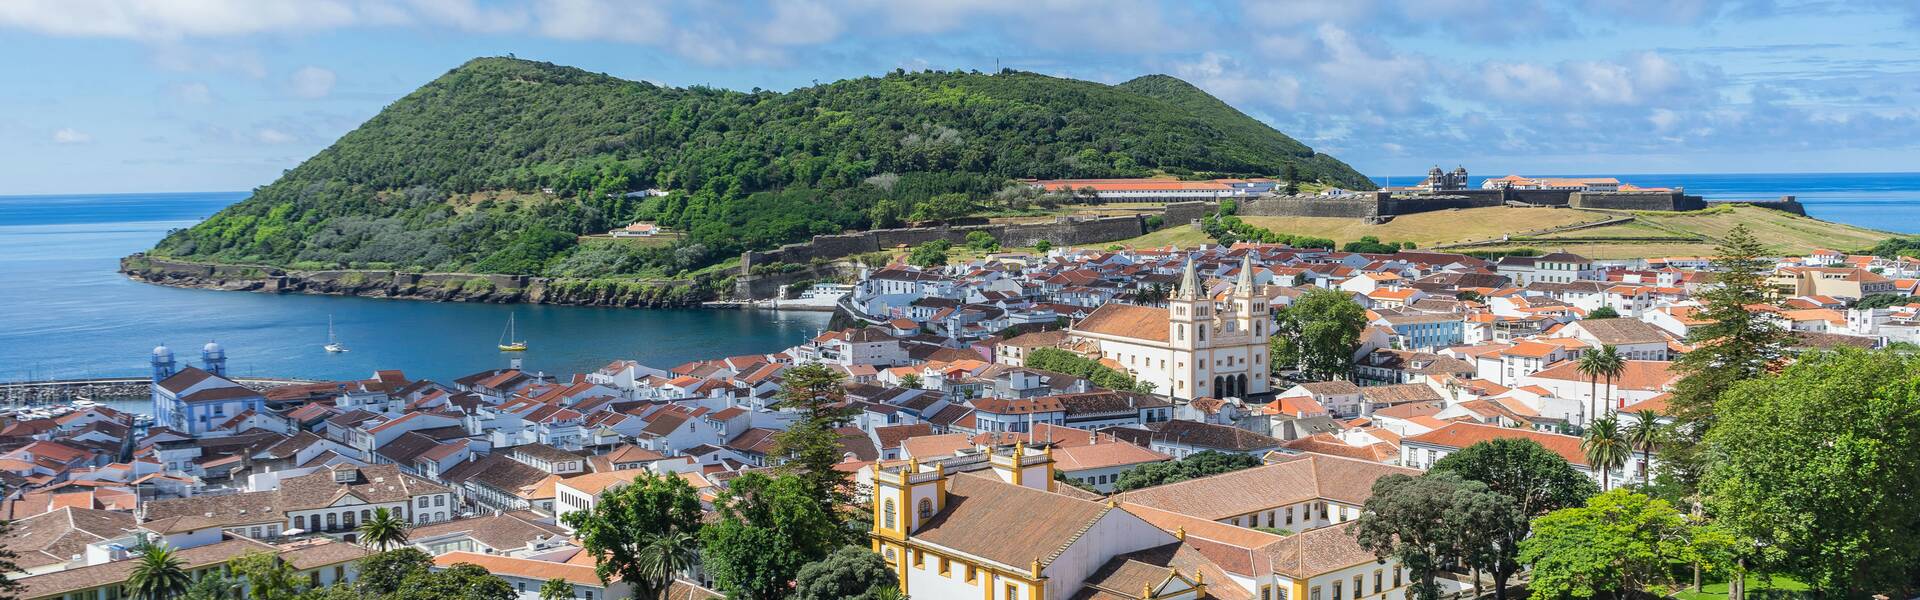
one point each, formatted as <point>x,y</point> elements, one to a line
<point>447,287</point>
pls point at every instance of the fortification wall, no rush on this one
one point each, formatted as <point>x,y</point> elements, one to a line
<point>1064,231</point>
<point>1669,201</point>
<point>1182,213</point>
<point>1407,205</point>
<point>1364,206</point>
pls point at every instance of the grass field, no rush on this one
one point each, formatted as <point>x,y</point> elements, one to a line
<point>1782,233</point>
<point>1427,229</point>
<point>1663,234</point>
<point>1718,591</point>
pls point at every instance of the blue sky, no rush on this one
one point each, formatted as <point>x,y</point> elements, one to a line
<point>192,95</point>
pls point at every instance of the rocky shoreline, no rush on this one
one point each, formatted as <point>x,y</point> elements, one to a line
<point>442,287</point>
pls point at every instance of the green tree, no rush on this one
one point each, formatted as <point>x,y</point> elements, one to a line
<point>1733,344</point>
<point>556,589</point>
<point>811,447</point>
<point>8,587</point>
<point>1606,448</point>
<point>1818,466</point>
<point>851,572</point>
<point>1062,361</point>
<point>266,576</point>
<point>884,214</point>
<point>1644,434</point>
<point>1042,246</point>
<point>1318,334</point>
<point>768,529</point>
<point>1429,521</point>
<point>382,573</point>
<point>623,525</point>
<point>465,581</point>
<point>666,555</point>
<point>1196,465</point>
<point>930,254</point>
<point>942,208</point>
<point>910,380</point>
<point>1604,312</point>
<point>157,574</point>
<point>1536,480</point>
<point>385,531</point>
<point>213,586</point>
<point>1611,366</point>
<point>981,241</point>
<point>1619,542</point>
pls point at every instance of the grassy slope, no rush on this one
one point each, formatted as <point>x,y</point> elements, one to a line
<point>1692,233</point>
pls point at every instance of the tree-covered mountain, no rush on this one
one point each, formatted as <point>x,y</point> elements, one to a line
<point>451,177</point>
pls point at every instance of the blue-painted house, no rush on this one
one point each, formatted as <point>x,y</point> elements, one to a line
<point>194,400</point>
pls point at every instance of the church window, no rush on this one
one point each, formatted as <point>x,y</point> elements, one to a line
<point>887,515</point>
<point>926,508</point>
<point>1013,592</point>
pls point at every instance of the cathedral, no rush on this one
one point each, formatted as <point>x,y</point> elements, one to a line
<point>1195,347</point>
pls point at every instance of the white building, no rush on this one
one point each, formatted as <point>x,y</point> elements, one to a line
<point>1191,348</point>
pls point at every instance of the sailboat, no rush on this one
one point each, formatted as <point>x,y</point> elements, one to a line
<point>509,342</point>
<point>333,343</point>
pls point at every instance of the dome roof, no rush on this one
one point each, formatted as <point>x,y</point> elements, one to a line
<point>211,347</point>
<point>162,350</point>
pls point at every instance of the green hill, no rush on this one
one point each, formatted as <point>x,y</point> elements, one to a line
<point>500,164</point>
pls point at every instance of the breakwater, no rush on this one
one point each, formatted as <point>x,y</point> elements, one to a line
<point>459,287</point>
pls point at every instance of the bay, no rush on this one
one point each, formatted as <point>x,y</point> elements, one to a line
<point>66,313</point>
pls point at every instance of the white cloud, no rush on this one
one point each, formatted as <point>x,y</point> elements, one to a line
<point>632,22</point>
<point>192,92</point>
<point>311,82</point>
<point>69,135</point>
<point>173,18</point>
<point>801,22</point>
<point>269,135</point>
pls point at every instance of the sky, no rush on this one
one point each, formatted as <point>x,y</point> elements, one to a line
<point>103,96</point>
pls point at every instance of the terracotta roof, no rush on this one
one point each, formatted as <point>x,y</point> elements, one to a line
<point>527,568</point>
<point>1644,375</point>
<point>501,532</point>
<point>320,552</point>
<point>1297,478</point>
<point>1127,321</point>
<point>1461,435</point>
<point>981,510</point>
<point>1100,456</point>
<point>116,572</point>
<point>55,537</point>
<point>928,446</point>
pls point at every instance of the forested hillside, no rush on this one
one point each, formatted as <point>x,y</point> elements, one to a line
<point>746,169</point>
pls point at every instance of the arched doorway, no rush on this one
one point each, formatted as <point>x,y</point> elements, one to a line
<point>1240,386</point>
<point>1219,387</point>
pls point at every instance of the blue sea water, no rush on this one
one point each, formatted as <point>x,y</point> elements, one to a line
<point>1885,201</point>
<point>65,312</point>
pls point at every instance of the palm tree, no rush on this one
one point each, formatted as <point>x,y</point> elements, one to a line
<point>1646,432</point>
<point>384,531</point>
<point>1589,366</point>
<point>1606,447</point>
<point>556,589</point>
<point>157,574</point>
<point>664,555</point>
<point>1609,364</point>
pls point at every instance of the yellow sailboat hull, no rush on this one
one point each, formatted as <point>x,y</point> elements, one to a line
<point>514,347</point>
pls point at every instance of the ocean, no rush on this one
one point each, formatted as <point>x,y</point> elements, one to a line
<point>1885,201</point>
<point>68,314</point>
